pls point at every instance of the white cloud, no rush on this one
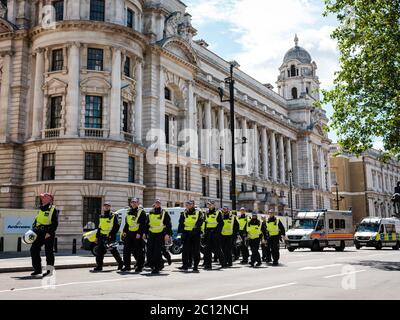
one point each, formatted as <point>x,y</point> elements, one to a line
<point>265,31</point>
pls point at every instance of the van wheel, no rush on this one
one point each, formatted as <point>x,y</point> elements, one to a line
<point>290,249</point>
<point>358,247</point>
<point>341,248</point>
<point>378,246</point>
<point>397,246</point>
<point>315,246</point>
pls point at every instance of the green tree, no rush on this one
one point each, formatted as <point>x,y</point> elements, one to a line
<point>366,93</point>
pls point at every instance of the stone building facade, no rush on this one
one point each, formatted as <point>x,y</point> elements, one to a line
<point>88,89</point>
<point>366,184</point>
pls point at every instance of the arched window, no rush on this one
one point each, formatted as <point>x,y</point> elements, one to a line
<point>293,70</point>
<point>294,93</point>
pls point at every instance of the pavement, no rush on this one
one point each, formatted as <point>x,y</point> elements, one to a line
<point>365,274</point>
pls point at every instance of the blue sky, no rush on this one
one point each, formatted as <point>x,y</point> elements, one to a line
<point>257,33</point>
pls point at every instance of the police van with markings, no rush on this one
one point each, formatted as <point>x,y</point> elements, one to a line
<point>321,229</point>
<point>378,233</point>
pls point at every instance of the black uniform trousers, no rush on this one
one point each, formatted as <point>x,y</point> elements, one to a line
<point>255,253</point>
<point>212,245</point>
<point>264,250</point>
<point>226,244</point>
<point>155,245</point>
<point>191,249</point>
<point>273,248</point>
<point>102,250</point>
<point>36,248</point>
<point>136,247</point>
<point>235,249</point>
<point>244,249</point>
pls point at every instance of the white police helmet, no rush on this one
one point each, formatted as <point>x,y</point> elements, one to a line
<point>29,237</point>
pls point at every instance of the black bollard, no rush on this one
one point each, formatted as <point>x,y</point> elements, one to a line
<point>55,245</point>
<point>74,246</point>
<point>19,244</point>
<point>2,244</point>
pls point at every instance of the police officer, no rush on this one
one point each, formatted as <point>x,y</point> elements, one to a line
<point>264,244</point>
<point>255,230</point>
<point>212,237</point>
<point>235,247</point>
<point>106,234</point>
<point>45,226</point>
<point>243,219</point>
<point>190,224</point>
<point>159,231</point>
<point>134,229</point>
<point>228,233</point>
<point>275,230</point>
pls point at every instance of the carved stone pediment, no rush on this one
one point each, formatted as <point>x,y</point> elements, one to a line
<point>55,86</point>
<point>5,26</point>
<point>181,49</point>
<point>95,85</point>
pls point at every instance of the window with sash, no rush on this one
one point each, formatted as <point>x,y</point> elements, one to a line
<point>57,60</point>
<point>97,10</point>
<point>94,112</point>
<point>48,166</point>
<point>54,121</point>
<point>93,166</point>
<point>130,19</point>
<point>59,9</point>
<point>132,162</point>
<point>95,59</point>
<point>127,67</point>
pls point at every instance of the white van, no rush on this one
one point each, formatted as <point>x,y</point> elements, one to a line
<point>378,233</point>
<point>321,229</point>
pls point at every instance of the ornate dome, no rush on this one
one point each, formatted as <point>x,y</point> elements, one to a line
<point>297,53</point>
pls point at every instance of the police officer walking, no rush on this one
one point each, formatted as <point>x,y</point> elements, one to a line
<point>45,226</point>
<point>243,219</point>
<point>266,253</point>
<point>159,231</point>
<point>134,229</point>
<point>212,236</point>
<point>190,224</point>
<point>275,230</point>
<point>255,230</point>
<point>228,233</point>
<point>106,235</point>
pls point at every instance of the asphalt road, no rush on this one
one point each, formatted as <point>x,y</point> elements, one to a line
<point>360,275</point>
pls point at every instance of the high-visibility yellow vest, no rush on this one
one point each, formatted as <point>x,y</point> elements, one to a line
<point>273,228</point>
<point>133,222</point>
<point>156,222</point>
<point>43,218</point>
<point>211,220</point>
<point>106,224</point>
<point>254,231</point>
<point>242,223</point>
<point>191,220</point>
<point>227,229</point>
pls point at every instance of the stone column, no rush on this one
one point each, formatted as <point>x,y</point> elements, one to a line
<point>244,155</point>
<point>289,154</point>
<point>221,122</point>
<point>311,164</point>
<point>73,103</point>
<point>207,142</point>
<point>264,150</point>
<point>38,98</point>
<point>138,102</point>
<point>115,110</point>
<point>200,130</point>
<point>256,152</point>
<point>282,159</point>
<point>5,95</point>
<point>273,157</point>
<point>323,169</point>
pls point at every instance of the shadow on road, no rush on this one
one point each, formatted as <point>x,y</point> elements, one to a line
<point>27,278</point>
<point>380,265</point>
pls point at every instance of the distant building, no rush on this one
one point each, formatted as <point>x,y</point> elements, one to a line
<point>365,183</point>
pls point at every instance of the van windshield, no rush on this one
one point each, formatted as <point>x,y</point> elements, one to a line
<point>305,223</point>
<point>368,227</point>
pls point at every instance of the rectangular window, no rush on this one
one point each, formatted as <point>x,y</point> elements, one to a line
<point>97,10</point>
<point>330,223</point>
<point>94,112</point>
<point>57,60</point>
<point>204,186</point>
<point>167,129</point>
<point>218,188</point>
<point>342,224</point>
<point>127,67</point>
<point>125,112</point>
<point>167,94</point>
<point>187,183</point>
<point>130,19</point>
<point>48,166</point>
<point>95,59</point>
<point>59,8</point>
<point>337,224</point>
<point>55,113</point>
<point>131,170</point>
<point>91,212</point>
<point>93,166</point>
<point>177,178</point>
<point>244,187</point>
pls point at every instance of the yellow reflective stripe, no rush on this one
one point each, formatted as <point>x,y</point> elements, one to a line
<point>212,222</point>
<point>133,223</point>
<point>191,220</point>
<point>273,228</point>
<point>227,229</point>
<point>106,225</point>
<point>155,226</point>
<point>43,218</point>
<point>254,231</point>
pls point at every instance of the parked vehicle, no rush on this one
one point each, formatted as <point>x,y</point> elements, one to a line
<point>378,233</point>
<point>321,229</point>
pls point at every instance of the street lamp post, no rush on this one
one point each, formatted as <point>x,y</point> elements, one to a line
<point>291,193</point>
<point>337,196</point>
<point>220,175</point>
<point>231,101</point>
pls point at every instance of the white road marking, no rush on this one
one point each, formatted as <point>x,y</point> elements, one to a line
<point>253,291</point>
<point>320,267</point>
<point>72,284</point>
<point>343,274</point>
